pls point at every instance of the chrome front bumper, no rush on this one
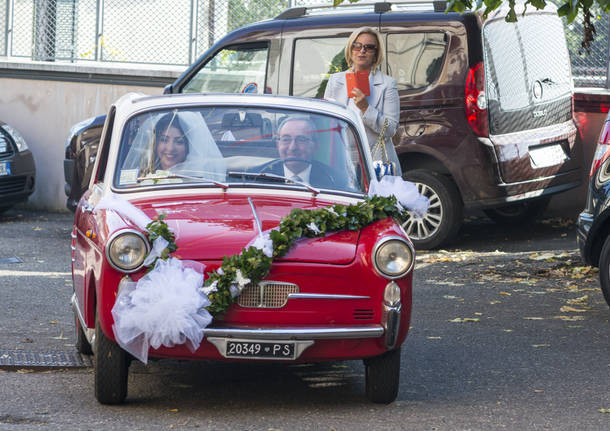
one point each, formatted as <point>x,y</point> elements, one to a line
<point>296,333</point>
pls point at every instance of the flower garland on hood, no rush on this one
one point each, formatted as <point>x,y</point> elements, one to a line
<point>137,327</point>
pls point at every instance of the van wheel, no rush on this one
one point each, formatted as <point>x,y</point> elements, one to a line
<point>382,377</point>
<point>444,216</point>
<point>604,270</point>
<point>81,342</point>
<point>111,365</point>
<point>518,213</point>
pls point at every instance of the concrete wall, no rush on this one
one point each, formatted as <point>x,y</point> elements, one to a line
<point>43,100</point>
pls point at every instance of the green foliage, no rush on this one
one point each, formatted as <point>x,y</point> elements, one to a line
<point>252,263</point>
<point>158,229</point>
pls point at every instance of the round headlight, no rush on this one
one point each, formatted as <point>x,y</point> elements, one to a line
<point>126,250</point>
<point>393,257</point>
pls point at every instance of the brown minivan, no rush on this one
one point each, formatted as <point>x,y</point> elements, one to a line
<point>486,106</point>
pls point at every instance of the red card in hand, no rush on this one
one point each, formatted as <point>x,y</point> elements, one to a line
<point>360,80</point>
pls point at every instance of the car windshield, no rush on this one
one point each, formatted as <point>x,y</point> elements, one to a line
<point>238,146</point>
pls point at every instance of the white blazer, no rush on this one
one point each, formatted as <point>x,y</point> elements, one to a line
<point>383,104</point>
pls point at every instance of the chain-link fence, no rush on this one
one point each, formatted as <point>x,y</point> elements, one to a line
<point>172,32</point>
<point>176,32</point>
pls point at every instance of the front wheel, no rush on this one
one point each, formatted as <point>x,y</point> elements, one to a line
<point>604,270</point>
<point>111,364</point>
<point>443,219</point>
<point>382,377</point>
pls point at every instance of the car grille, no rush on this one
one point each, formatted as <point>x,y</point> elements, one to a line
<point>267,294</point>
<point>12,185</point>
<point>364,314</point>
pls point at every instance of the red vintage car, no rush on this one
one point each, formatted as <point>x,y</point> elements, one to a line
<point>265,265</point>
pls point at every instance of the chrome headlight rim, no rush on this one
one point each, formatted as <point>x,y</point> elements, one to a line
<point>384,241</point>
<point>122,232</point>
<point>17,138</point>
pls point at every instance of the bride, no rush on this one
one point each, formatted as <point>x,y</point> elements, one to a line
<point>175,142</point>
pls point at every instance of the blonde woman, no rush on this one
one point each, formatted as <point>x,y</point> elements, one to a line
<point>364,52</point>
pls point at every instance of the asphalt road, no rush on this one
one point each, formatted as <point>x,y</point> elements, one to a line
<point>509,332</point>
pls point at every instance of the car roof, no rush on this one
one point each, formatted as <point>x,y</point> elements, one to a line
<point>413,8</point>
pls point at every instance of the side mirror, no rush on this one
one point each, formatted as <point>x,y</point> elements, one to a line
<point>168,89</point>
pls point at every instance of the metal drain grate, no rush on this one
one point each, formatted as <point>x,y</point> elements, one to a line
<point>34,359</point>
<point>12,259</point>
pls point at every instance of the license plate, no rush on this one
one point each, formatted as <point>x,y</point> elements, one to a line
<point>550,155</point>
<point>260,349</point>
<point>5,168</point>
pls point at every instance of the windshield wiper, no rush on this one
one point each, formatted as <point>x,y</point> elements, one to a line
<point>277,178</point>
<point>187,177</point>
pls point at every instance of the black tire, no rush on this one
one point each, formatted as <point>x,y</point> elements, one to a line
<point>444,217</point>
<point>518,213</point>
<point>111,365</point>
<point>81,342</point>
<point>382,377</point>
<point>604,270</point>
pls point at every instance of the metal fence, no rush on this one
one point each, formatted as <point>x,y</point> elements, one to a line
<point>172,32</point>
<point>176,32</point>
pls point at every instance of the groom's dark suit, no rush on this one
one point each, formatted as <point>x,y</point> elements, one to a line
<point>321,175</point>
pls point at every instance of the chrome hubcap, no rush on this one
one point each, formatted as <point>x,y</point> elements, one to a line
<point>427,226</point>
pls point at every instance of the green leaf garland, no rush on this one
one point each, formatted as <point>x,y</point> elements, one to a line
<point>252,265</point>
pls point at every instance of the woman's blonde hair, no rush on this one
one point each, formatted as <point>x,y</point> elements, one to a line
<point>380,46</point>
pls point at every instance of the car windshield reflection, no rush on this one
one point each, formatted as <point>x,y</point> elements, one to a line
<point>229,146</point>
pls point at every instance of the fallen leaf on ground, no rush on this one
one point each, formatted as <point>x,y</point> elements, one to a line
<point>448,283</point>
<point>569,318</point>
<point>464,319</point>
<point>173,410</point>
<point>568,309</point>
<point>534,318</point>
<point>604,410</point>
<point>580,300</point>
<point>505,293</point>
<point>60,336</point>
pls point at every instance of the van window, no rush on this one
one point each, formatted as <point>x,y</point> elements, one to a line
<point>314,61</point>
<point>235,69</point>
<point>415,59</point>
<point>527,73</point>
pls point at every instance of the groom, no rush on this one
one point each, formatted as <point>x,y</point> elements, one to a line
<point>296,140</point>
